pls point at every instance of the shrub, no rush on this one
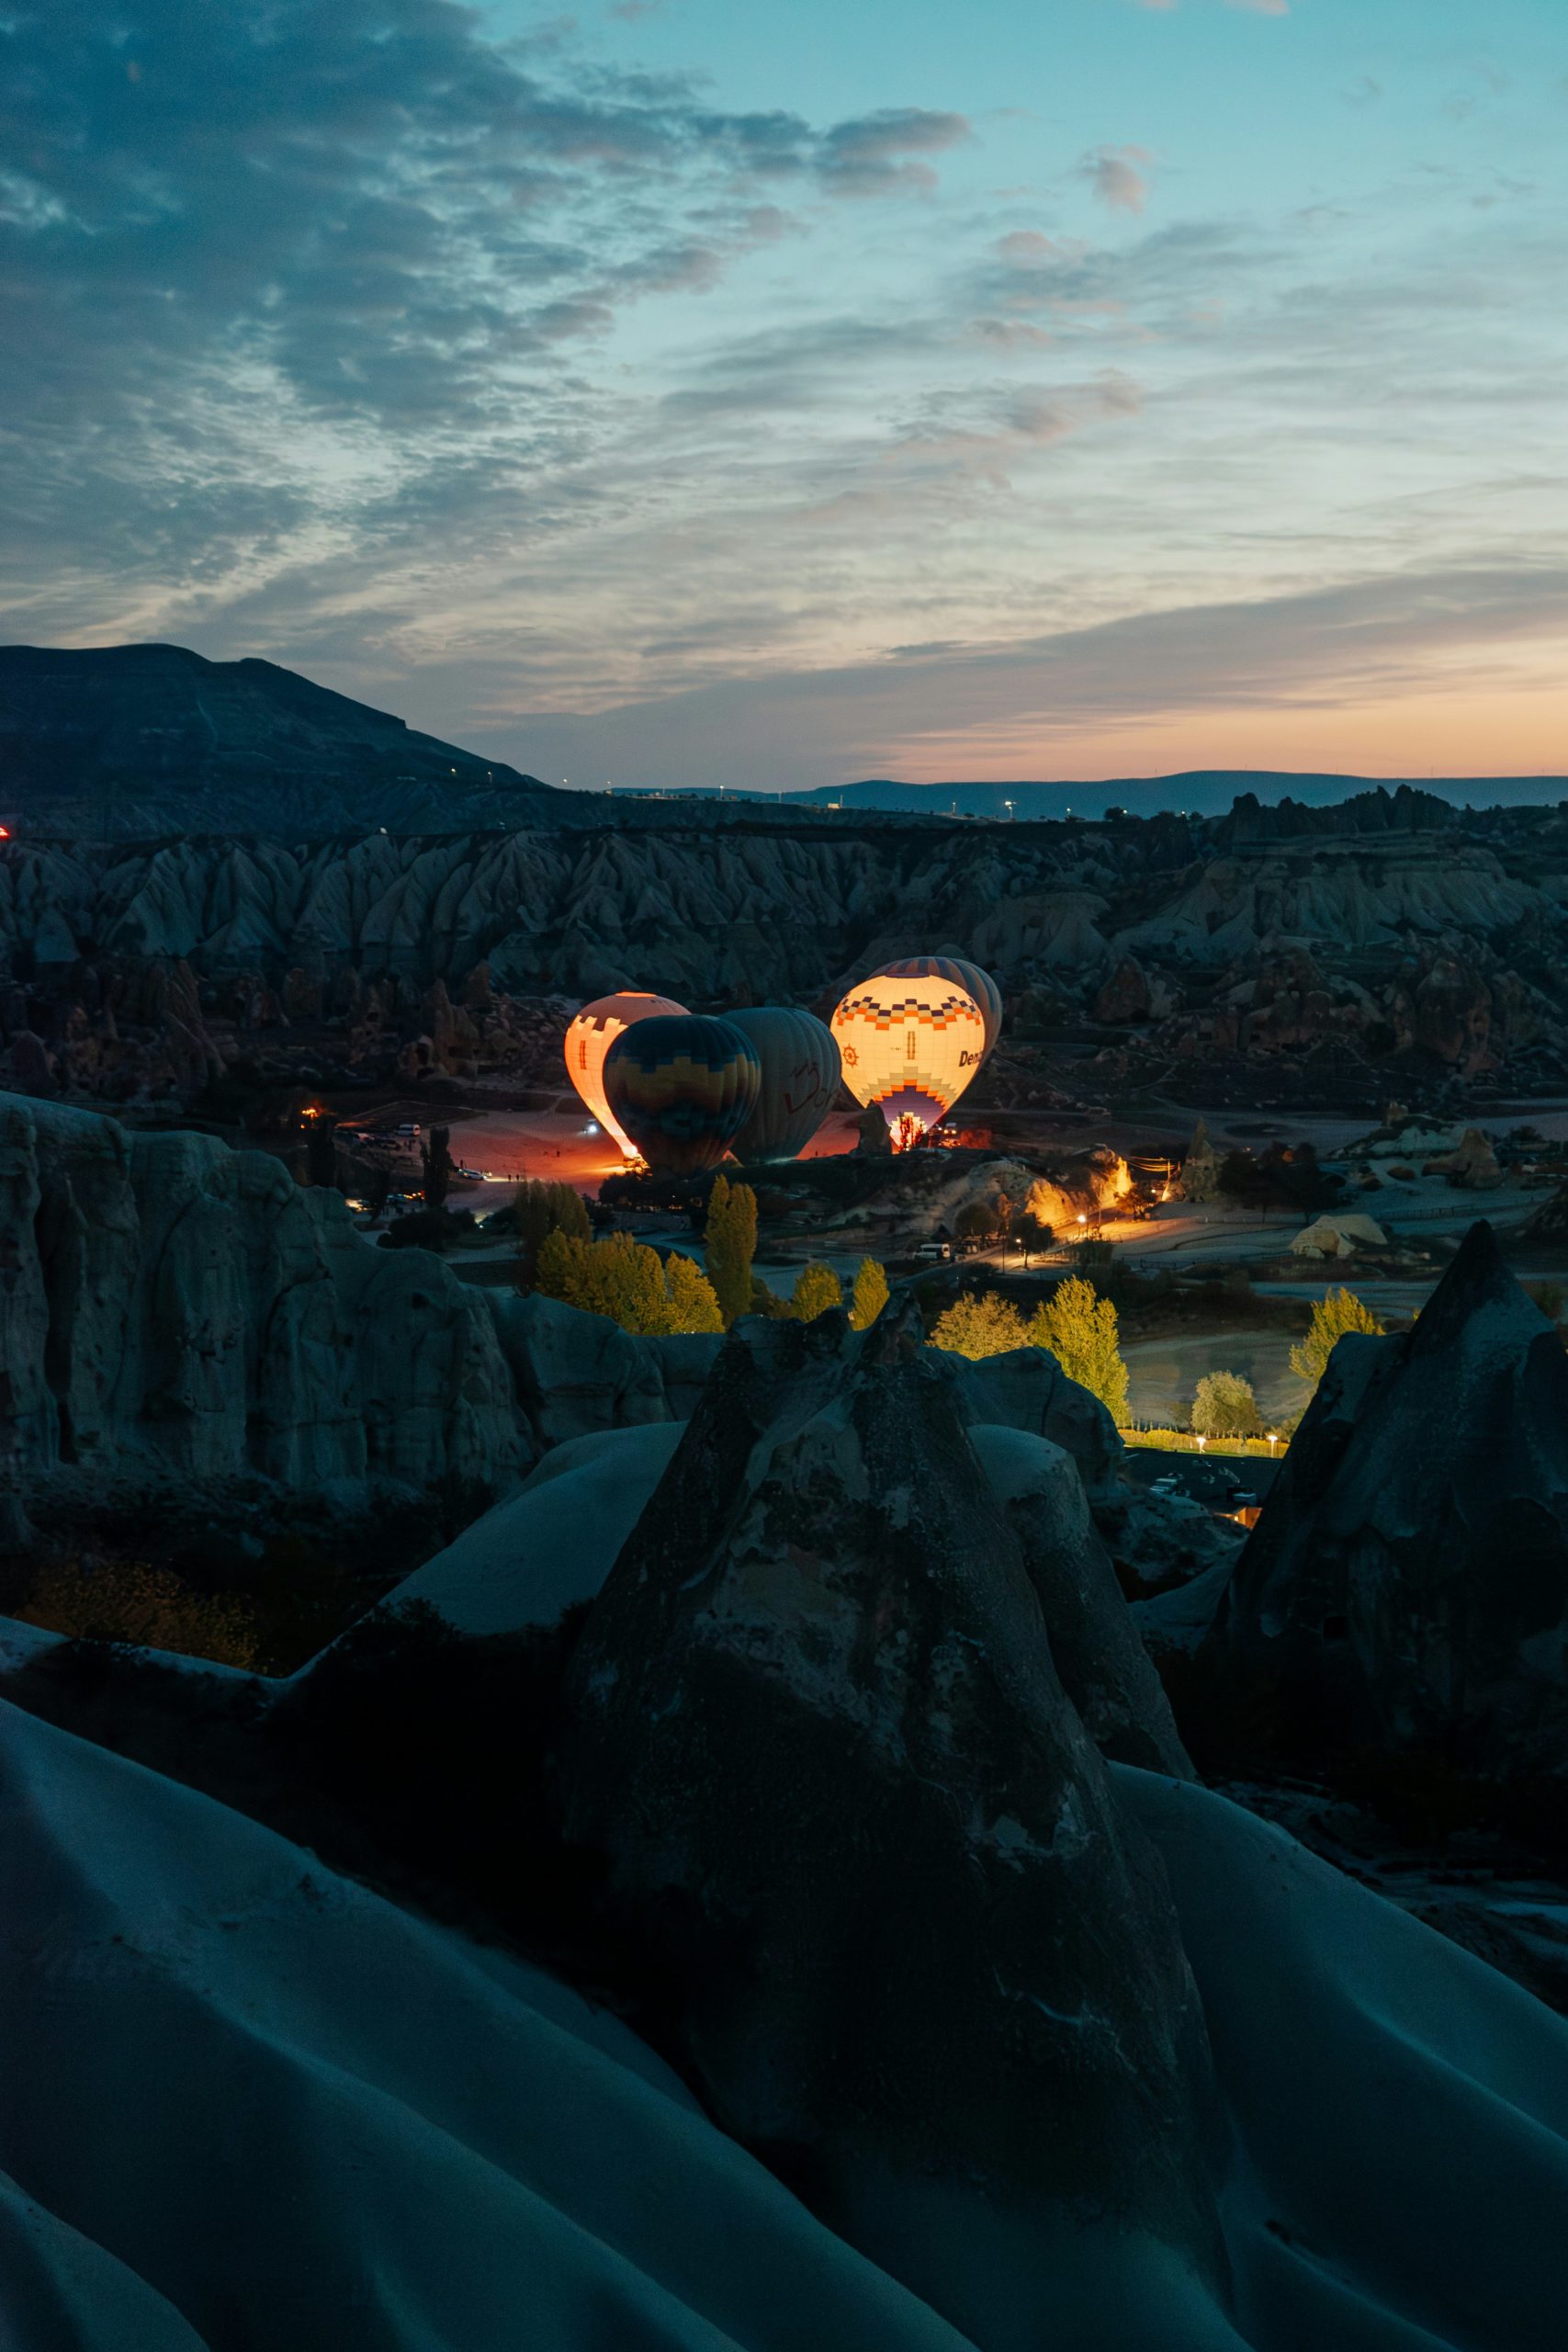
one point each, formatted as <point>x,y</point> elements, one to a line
<point>1224,1406</point>
<point>131,1600</point>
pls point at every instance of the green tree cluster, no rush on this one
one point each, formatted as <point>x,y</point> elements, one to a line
<point>1337,1313</point>
<point>541,1209</point>
<point>1225,1405</point>
<point>627,1281</point>
<point>730,1244</point>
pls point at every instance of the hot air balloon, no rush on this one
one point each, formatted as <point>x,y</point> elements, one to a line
<point>590,1038</point>
<point>800,1076</point>
<point>966,976</point>
<point>909,1045</point>
<point>681,1088</point>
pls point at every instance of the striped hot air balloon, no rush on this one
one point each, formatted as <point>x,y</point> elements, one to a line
<point>589,1039</point>
<point>682,1089</point>
<point>800,1078</point>
<point>965,975</point>
<point>909,1045</point>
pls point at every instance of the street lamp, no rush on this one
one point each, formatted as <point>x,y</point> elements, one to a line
<point>1273,1441</point>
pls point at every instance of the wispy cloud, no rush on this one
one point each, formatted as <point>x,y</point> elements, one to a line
<point>1118,176</point>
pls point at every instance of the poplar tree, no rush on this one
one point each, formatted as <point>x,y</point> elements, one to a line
<point>870,1294</point>
<point>731,1244</point>
<point>541,1209</point>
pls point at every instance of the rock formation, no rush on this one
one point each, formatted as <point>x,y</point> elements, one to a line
<point>916,1950</point>
<point>176,1311</point>
<point>1412,1556</point>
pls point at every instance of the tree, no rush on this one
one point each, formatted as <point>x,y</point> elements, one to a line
<point>1201,1169</point>
<point>1081,1330</point>
<point>1224,1406</point>
<point>435,1165</point>
<point>321,1149</point>
<point>1031,1233</point>
<point>870,1294</point>
<point>731,1244</point>
<point>539,1209</point>
<point>817,1289</point>
<point>694,1302</point>
<point>981,1323</point>
<point>1337,1313</point>
<point>975,1221</point>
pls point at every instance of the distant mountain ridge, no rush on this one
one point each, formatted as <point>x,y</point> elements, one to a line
<point>135,739</point>
<point>141,741</point>
<point>1195,792</point>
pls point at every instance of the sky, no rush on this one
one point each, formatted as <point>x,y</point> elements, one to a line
<point>690,391</point>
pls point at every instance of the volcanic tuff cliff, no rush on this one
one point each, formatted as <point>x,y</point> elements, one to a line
<point>709,910</point>
<point>174,1311</point>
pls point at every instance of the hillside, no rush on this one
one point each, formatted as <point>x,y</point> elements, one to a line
<point>132,740</point>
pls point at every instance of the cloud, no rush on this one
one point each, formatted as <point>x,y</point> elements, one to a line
<point>883,152</point>
<point>1117,176</point>
<point>917,710</point>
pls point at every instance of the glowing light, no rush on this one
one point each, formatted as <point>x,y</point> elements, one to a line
<point>910,1045</point>
<point>590,1037</point>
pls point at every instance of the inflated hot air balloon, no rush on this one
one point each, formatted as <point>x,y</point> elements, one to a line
<point>590,1038</point>
<point>909,1045</point>
<point>800,1078</point>
<point>681,1088</point>
<point>967,975</point>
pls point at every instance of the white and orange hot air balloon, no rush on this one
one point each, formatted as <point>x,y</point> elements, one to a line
<point>590,1037</point>
<point>911,1042</point>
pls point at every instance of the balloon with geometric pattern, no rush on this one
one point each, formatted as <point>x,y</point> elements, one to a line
<point>800,1078</point>
<point>910,1046</point>
<point>589,1039</point>
<point>980,985</point>
<point>682,1089</point>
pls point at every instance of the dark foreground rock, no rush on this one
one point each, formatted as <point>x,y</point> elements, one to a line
<point>915,1950</point>
<point>1411,1557</point>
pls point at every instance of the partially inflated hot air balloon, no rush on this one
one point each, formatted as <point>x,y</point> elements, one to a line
<point>590,1038</point>
<point>966,976</point>
<point>681,1088</point>
<point>800,1078</point>
<point>909,1045</point>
